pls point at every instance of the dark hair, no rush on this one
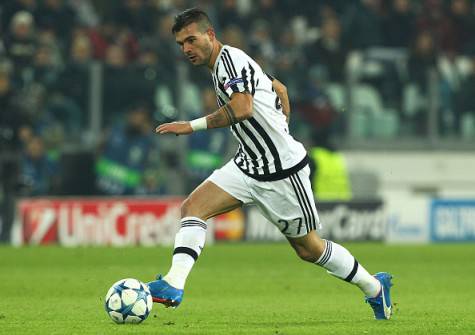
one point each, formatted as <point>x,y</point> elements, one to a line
<point>190,16</point>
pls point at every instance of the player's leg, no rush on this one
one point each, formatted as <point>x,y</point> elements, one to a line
<point>206,201</point>
<point>335,258</point>
<point>289,204</point>
<point>338,261</point>
<point>223,191</point>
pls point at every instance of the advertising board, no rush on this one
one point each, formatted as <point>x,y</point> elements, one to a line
<point>117,222</point>
<point>452,220</point>
<point>341,220</point>
<point>112,221</point>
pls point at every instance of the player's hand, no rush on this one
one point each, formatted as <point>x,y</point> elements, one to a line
<point>177,128</point>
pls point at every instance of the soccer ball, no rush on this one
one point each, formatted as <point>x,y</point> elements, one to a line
<point>128,301</point>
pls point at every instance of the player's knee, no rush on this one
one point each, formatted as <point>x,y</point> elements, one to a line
<point>189,207</point>
<point>306,255</point>
<point>309,248</point>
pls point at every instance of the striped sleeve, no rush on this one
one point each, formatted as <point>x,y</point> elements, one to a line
<point>271,78</point>
<point>237,72</point>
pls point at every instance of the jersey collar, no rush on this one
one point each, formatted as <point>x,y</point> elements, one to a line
<point>217,57</point>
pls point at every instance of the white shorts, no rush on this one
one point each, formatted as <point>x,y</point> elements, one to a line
<point>287,203</point>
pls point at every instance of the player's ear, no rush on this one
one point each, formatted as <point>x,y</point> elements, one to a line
<point>211,34</point>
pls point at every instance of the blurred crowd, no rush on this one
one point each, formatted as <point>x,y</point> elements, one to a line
<point>57,55</point>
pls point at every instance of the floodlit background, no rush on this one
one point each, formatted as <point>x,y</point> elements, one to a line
<point>382,95</point>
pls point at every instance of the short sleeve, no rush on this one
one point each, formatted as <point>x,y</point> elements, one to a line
<point>271,78</point>
<point>238,72</point>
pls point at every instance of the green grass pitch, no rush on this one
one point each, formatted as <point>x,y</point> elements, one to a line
<point>238,289</point>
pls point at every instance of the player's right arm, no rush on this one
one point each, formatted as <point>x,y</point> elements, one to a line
<point>235,75</point>
<point>237,109</point>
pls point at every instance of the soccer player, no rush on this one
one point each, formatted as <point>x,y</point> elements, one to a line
<point>269,170</point>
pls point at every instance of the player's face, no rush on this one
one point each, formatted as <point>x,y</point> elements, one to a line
<point>195,44</point>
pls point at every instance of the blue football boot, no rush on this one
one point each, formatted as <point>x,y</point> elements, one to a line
<point>164,293</point>
<point>381,304</point>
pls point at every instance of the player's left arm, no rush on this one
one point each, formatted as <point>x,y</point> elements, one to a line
<point>281,91</point>
<point>239,108</point>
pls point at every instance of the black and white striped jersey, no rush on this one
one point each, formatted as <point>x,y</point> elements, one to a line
<point>266,149</point>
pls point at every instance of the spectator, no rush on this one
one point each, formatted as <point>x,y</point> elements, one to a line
<point>38,173</point>
<point>422,58</point>
<point>81,49</point>
<point>310,10</point>
<point>338,7</point>
<point>463,22</point>
<point>117,89</point>
<point>269,10</point>
<point>288,63</point>
<point>399,24</point>
<point>10,116</point>
<point>129,153</point>
<point>74,79</point>
<point>46,69</point>
<point>20,43</point>
<point>56,109</point>
<point>316,110</point>
<point>148,73</point>
<point>261,41</point>
<point>136,15</point>
<point>364,25</point>
<point>46,119</point>
<point>85,12</point>
<point>10,8</point>
<point>67,117</point>
<point>57,16</point>
<point>434,20</point>
<point>329,50</point>
<point>154,79</point>
<point>166,47</point>
<point>110,33</point>
<point>229,14</point>
<point>116,56</point>
<point>234,36</point>
<point>206,149</point>
<point>465,99</point>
